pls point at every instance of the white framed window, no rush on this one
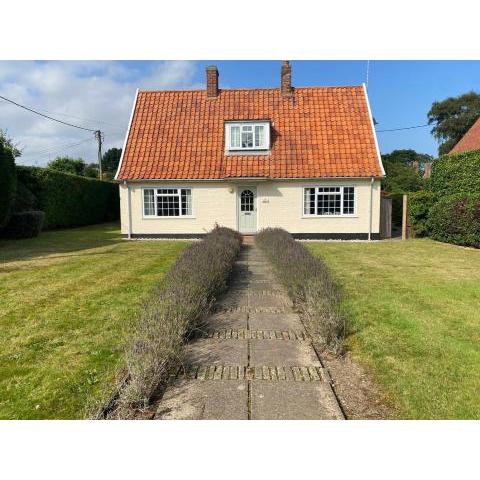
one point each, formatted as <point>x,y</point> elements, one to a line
<point>329,201</point>
<point>247,135</point>
<point>167,202</point>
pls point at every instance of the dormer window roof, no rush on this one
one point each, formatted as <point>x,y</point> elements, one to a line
<point>247,135</point>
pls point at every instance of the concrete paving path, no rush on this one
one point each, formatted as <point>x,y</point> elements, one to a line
<point>252,358</point>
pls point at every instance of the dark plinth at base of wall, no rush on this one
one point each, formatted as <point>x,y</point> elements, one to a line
<point>166,236</point>
<point>335,236</point>
<point>299,236</point>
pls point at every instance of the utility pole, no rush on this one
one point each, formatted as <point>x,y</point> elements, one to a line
<point>98,137</point>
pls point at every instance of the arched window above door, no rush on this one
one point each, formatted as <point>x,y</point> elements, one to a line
<point>247,203</point>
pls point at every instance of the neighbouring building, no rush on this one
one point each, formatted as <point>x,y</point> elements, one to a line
<point>470,141</point>
<point>305,159</point>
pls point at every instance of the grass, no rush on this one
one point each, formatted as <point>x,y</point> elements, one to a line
<point>414,319</point>
<point>67,302</point>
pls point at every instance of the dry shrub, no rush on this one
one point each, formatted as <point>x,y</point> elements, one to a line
<point>175,308</point>
<point>309,283</point>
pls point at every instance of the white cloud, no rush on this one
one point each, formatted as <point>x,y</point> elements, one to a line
<point>97,94</point>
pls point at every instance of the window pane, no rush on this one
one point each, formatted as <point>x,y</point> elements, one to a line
<point>259,136</point>
<point>309,201</point>
<point>148,202</point>
<point>329,201</point>
<point>167,191</point>
<point>168,205</point>
<point>247,201</point>
<point>247,137</point>
<point>348,200</point>
<point>186,201</point>
<point>234,137</point>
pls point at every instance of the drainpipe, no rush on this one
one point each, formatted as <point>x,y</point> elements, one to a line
<point>129,203</point>
<point>370,209</point>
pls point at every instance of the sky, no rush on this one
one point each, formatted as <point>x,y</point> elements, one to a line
<point>99,95</point>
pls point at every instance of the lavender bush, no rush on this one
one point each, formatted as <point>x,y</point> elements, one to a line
<point>309,283</point>
<point>178,304</point>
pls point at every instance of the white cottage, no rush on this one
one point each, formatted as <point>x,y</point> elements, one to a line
<point>304,159</point>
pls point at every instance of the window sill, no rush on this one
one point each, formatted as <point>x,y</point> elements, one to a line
<point>255,152</point>
<point>329,216</point>
<point>156,217</point>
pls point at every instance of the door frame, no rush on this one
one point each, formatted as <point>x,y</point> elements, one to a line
<point>238,193</point>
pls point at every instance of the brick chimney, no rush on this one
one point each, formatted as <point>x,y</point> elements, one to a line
<point>427,170</point>
<point>286,79</point>
<point>212,81</point>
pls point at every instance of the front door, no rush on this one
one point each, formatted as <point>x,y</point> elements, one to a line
<point>247,210</point>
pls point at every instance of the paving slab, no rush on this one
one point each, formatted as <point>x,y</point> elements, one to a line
<point>285,322</point>
<point>204,400</point>
<point>216,351</point>
<point>225,320</point>
<point>293,401</point>
<point>233,299</point>
<point>288,353</point>
<point>267,300</point>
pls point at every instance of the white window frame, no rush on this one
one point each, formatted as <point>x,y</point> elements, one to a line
<point>155,195</point>
<point>340,215</point>
<point>253,124</point>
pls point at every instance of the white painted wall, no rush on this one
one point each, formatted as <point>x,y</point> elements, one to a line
<point>279,204</point>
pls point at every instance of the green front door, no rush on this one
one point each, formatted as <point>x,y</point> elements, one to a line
<point>247,209</point>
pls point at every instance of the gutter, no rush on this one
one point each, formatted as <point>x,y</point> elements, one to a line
<point>129,204</point>
<point>370,209</point>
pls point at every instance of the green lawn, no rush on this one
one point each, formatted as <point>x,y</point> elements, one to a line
<point>414,310</point>
<point>67,299</point>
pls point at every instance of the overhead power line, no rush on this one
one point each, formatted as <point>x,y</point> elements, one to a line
<point>404,128</point>
<point>89,120</point>
<point>46,116</point>
<point>55,148</point>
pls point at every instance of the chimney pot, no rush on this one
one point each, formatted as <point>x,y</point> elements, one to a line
<point>212,81</point>
<point>286,79</point>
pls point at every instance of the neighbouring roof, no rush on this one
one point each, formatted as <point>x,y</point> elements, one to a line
<point>470,141</point>
<point>317,132</point>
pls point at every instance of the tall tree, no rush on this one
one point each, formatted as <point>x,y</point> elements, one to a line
<point>401,174</point>
<point>452,118</point>
<point>91,170</point>
<point>6,141</point>
<point>8,178</point>
<point>75,166</point>
<point>110,160</point>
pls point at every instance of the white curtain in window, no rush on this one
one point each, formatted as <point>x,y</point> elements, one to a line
<point>148,202</point>
<point>259,136</point>
<point>235,137</point>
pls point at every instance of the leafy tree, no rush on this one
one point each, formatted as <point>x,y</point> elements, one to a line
<point>401,178</point>
<point>75,166</point>
<point>6,141</point>
<point>8,179</point>
<point>401,175</point>
<point>452,118</point>
<point>110,161</point>
<point>91,170</point>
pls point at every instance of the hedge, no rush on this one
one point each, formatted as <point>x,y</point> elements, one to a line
<point>456,174</point>
<point>419,205</point>
<point>456,219</point>
<point>23,225</point>
<point>309,283</point>
<point>8,183</point>
<point>68,200</point>
<point>175,308</point>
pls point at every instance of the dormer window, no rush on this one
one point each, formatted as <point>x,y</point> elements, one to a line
<point>247,135</point>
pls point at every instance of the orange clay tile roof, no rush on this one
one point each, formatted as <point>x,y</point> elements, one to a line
<point>470,141</point>
<point>318,132</point>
